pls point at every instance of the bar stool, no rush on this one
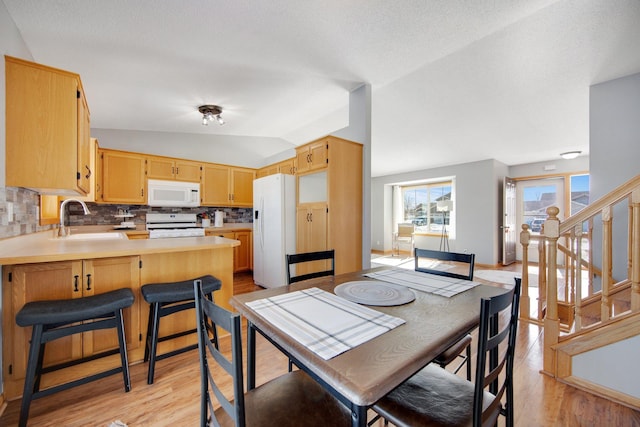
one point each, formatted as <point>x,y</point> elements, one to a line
<point>168,298</point>
<point>59,318</point>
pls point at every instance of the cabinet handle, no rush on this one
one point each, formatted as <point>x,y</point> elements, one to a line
<point>173,170</point>
<point>142,192</point>
<point>177,171</point>
<point>88,282</point>
<point>88,172</point>
<point>311,158</point>
<point>311,217</point>
<point>75,283</point>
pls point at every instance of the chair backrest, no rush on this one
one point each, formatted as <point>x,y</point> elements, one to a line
<point>206,313</point>
<point>308,257</point>
<point>490,335</point>
<point>406,230</point>
<point>445,256</point>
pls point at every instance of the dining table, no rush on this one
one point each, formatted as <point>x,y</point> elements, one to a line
<point>419,328</point>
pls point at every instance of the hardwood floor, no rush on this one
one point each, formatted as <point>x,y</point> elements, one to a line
<point>173,400</point>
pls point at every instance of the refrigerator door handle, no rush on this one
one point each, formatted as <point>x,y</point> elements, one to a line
<point>261,221</point>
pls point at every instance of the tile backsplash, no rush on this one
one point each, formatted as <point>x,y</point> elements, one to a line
<point>26,212</point>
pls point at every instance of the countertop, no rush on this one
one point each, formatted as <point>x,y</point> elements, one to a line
<point>45,247</point>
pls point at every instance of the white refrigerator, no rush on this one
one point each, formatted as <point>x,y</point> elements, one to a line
<point>274,228</point>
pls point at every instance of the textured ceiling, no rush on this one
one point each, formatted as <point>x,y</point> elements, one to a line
<point>452,81</point>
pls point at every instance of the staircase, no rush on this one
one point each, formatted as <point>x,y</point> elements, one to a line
<point>588,294</point>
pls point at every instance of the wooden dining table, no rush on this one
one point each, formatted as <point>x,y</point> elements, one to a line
<point>362,375</point>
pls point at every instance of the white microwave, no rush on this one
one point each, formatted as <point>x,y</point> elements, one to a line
<point>172,193</point>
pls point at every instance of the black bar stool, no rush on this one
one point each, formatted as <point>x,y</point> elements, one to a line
<point>168,298</point>
<point>55,319</point>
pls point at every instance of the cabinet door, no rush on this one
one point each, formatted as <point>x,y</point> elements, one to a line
<point>46,281</point>
<point>41,128</point>
<point>85,169</point>
<point>242,194</point>
<point>104,275</point>
<point>303,159</point>
<point>123,177</point>
<point>242,253</point>
<point>160,168</point>
<point>215,185</point>
<point>318,155</point>
<point>287,167</point>
<point>188,171</point>
<point>311,228</point>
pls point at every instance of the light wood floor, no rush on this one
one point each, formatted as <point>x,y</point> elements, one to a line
<point>173,400</point>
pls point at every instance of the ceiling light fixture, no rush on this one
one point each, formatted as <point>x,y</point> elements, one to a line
<point>211,113</point>
<point>570,155</point>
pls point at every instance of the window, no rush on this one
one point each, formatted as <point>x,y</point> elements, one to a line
<point>579,185</point>
<point>420,206</point>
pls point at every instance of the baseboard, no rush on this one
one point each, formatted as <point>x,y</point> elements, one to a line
<point>3,404</point>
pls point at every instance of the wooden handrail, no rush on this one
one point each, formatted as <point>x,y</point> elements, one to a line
<point>564,312</point>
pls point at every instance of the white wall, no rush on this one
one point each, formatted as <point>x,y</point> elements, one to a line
<point>478,191</point>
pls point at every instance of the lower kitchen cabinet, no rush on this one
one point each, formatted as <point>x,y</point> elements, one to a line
<point>243,254</point>
<point>65,280</point>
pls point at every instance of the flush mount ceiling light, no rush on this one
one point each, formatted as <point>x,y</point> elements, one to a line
<point>570,155</point>
<point>210,113</point>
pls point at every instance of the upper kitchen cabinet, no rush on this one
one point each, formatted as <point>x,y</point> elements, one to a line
<point>286,166</point>
<point>329,203</point>
<point>47,130</point>
<point>312,156</point>
<point>224,185</point>
<point>173,169</point>
<point>123,177</point>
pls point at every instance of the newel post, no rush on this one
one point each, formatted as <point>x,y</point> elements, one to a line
<point>635,250</point>
<point>525,300</point>
<point>551,233</point>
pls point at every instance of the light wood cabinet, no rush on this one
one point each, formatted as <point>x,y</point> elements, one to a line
<point>123,177</point>
<point>335,187</point>
<point>286,166</point>
<point>312,156</point>
<point>243,254</point>
<point>224,185</point>
<point>173,169</point>
<point>65,280</point>
<point>47,129</point>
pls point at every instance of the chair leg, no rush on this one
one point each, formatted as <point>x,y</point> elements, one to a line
<point>154,341</point>
<point>468,362</point>
<point>32,368</point>
<point>147,341</point>
<point>122,343</point>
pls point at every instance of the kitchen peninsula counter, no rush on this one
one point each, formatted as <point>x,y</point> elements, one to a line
<point>40,266</point>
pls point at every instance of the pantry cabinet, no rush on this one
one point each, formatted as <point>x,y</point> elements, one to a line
<point>173,169</point>
<point>329,201</point>
<point>224,185</point>
<point>47,129</point>
<point>65,280</point>
<point>123,177</point>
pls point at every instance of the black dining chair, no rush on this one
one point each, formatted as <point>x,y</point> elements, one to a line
<point>319,269</point>
<point>454,259</point>
<point>292,399</point>
<point>437,397</point>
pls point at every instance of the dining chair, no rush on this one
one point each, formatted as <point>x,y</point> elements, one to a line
<point>293,399</point>
<point>404,234</point>
<point>436,397</point>
<point>309,257</point>
<point>454,352</point>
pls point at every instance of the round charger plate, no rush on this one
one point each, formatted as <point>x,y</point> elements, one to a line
<point>374,292</point>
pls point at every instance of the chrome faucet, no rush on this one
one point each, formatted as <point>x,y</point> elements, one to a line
<point>62,231</point>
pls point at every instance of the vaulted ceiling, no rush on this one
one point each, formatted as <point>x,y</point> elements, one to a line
<point>452,81</point>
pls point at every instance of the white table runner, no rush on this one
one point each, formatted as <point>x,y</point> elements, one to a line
<point>425,282</point>
<point>323,322</point>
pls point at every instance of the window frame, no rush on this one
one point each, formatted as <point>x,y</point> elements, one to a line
<point>431,217</point>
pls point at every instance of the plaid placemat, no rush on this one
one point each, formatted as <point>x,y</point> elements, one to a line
<point>425,282</point>
<point>323,322</point>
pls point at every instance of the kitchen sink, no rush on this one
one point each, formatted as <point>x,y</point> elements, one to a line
<point>94,236</point>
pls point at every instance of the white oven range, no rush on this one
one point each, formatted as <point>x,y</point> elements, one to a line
<point>173,225</point>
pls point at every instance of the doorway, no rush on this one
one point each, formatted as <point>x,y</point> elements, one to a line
<point>534,197</point>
